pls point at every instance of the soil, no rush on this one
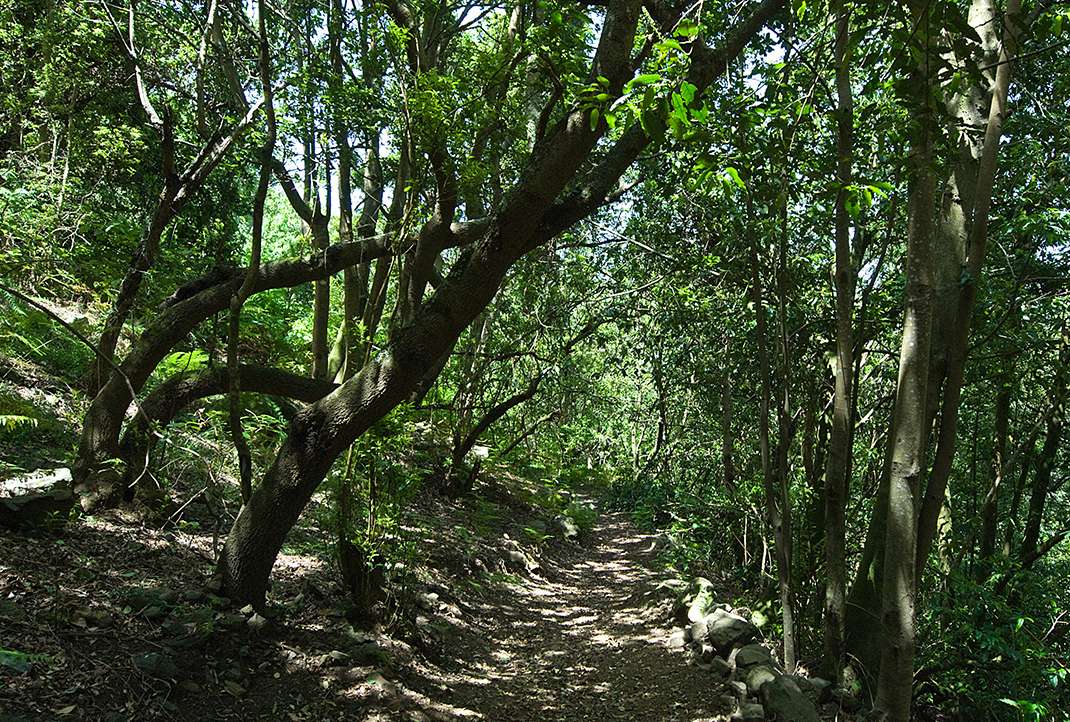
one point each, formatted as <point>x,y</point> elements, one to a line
<point>118,624</point>
<point>585,642</point>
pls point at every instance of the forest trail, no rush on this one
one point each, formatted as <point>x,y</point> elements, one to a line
<point>580,642</point>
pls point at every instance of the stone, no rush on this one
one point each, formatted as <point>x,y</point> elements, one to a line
<point>698,599</point>
<point>727,703</point>
<point>757,676</point>
<point>678,638</point>
<point>521,560</point>
<point>784,701</point>
<point>752,654</point>
<point>156,664</point>
<point>805,687</point>
<point>739,689</point>
<point>256,622</point>
<point>697,631</point>
<point>749,712</point>
<point>720,667</point>
<point>822,687</point>
<point>566,528</point>
<point>727,630</point>
<point>337,658</point>
<point>27,498</point>
<point>706,652</point>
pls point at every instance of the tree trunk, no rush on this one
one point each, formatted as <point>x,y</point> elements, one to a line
<point>990,507</point>
<point>773,499</point>
<point>837,477</point>
<point>895,679</point>
<point>982,199</point>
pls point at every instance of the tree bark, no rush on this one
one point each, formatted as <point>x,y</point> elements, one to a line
<point>895,679</point>
<point>982,200</point>
<point>990,507</point>
<point>237,300</point>
<point>837,477</point>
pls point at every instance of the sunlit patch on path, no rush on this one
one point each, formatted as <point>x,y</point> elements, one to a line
<point>578,643</point>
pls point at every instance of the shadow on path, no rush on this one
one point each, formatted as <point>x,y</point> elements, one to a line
<point>581,643</point>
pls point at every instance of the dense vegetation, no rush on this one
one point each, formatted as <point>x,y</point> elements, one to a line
<point>786,280</point>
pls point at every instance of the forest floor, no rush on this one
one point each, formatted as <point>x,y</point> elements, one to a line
<point>492,614</point>
<point>116,624</point>
<point>584,641</point>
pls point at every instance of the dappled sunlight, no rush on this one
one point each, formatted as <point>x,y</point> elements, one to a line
<point>577,643</point>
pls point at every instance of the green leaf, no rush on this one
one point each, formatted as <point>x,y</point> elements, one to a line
<point>15,660</point>
<point>640,80</point>
<point>686,28</point>
<point>705,162</point>
<point>687,90</point>
<point>733,175</point>
<point>595,115</point>
<point>603,81</point>
<point>668,44</point>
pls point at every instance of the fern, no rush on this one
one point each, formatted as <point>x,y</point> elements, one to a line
<point>11,422</point>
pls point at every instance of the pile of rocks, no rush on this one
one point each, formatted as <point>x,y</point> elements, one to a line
<point>723,641</point>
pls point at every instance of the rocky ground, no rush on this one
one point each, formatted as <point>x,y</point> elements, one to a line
<point>108,619</point>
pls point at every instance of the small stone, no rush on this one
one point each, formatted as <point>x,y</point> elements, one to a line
<point>727,630</point>
<point>757,676</point>
<point>749,712</point>
<point>678,638</point>
<point>188,685</point>
<point>784,701</point>
<point>337,657</point>
<point>247,609</point>
<point>706,652</point>
<point>567,528</point>
<point>697,631</point>
<point>739,689</point>
<point>722,668</point>
<point>192,595</point>
<point>256,622</point>
<point>726,703</point>
<point>156,664</point>
<point>751,655</point>
<point>234,688</point>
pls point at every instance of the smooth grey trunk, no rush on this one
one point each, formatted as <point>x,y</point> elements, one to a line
<point>978,240</point>
<point>899,589</point>
<point>837,476</point>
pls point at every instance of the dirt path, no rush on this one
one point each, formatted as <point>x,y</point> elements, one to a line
<point>578,643</point>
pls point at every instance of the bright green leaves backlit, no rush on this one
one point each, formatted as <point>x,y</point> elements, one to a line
<point>859,197</point>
